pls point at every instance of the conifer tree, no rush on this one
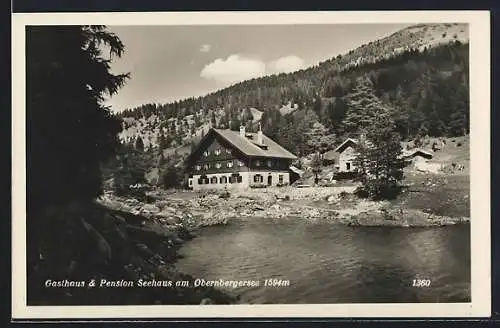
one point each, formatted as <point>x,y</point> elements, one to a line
<point>316,167</point>
<point>235,124</point>
<point>70,132</point>
<point>129,171</point>
<point>139,144</point>
<point>379,159</point>
<point>162,141</point>
<point>362,107</point>
<point>213,120</point>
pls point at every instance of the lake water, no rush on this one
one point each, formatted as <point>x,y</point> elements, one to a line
<point>330,263</point>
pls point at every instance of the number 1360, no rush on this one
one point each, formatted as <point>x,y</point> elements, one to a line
<point>421,283</point>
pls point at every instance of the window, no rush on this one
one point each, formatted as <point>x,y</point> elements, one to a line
<point>280,178</point>
<point>213,180</point>
<point>240,163</point>
<point>229,164</point>
<point>258,178</point>
<point>223,180</point>
<point>197,167</point>
<point>240,179</point>
<point>190,182</point>
<point>228,151</point>
<point>205,153</point>
<point>206,166</point>
<point>257,163</point>
<point>235,178</point>
<point>200,181</point>
<point>348,165</point>
<point>269,163</point>
<point>218,165</point>
<point>217,152</point>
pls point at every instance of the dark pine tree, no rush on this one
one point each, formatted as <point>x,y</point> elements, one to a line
<point>70,135</point>
<point>139,144</point>
<point>362,107</point>
<point>379,159</point>
<point>70,132</point>
<point>162,141</point>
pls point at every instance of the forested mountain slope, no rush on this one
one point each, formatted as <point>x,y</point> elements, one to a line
<point>420,74</point>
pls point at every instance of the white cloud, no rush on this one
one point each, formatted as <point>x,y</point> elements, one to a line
<point>286,64</point>
<point>237,68</point>
<point>205,47</point>
<point>233,69</point>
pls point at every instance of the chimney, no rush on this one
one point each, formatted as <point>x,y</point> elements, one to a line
<point>242,131</point>
<point>260,139</point>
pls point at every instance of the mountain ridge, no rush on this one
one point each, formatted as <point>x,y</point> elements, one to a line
<point>183,122</point>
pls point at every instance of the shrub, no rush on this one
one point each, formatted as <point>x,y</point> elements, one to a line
<point>345,175</point>
<point>343,195</point>
<point>171,178</point>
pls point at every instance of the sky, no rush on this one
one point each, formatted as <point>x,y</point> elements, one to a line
<point>169,63</point>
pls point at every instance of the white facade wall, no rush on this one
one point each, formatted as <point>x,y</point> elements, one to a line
<point>346,160</point>
<point>274,177</point>
<point>247,180</point>
<point>242,185</point>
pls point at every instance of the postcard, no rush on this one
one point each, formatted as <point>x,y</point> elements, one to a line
<point>251,165</point>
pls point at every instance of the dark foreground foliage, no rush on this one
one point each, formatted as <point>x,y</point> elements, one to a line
<point>94,242</point>
<point>70,135</point>
<point>69,131</point>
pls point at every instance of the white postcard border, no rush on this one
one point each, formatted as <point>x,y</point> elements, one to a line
<point>479,31</point>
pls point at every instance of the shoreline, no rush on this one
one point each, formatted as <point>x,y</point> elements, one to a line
<point>317,205</point>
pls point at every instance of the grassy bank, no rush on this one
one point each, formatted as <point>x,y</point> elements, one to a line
<point>437,194</point>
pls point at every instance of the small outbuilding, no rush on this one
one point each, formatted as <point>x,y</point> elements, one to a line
<point>417,154</point>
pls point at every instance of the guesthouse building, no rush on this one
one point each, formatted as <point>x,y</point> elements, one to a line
<point>227,159</point>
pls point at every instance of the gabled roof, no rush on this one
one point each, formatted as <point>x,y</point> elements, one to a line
<point>342,145</point>
<point>249,147</point>
<point>412,152</point>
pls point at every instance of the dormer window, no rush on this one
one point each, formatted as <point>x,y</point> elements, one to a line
<point>257,163</point>
<point>217,152</point>
<point>269,163</point>
<point>228,151</point>
<point>240,163</point>
<point>197,167</point>
<point>206,166</point>
<point>218,165</point>
<point>205,153</point>
<point>229,164</point>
